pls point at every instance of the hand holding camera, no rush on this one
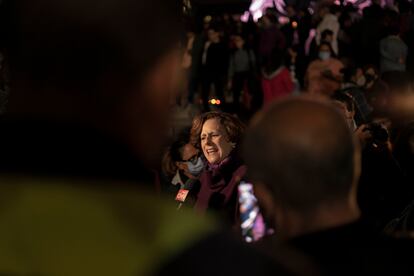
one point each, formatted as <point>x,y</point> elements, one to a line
<point>373,134</point>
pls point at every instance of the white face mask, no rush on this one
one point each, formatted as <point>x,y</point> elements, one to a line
<point>324,55</point>
<point>196,167</point>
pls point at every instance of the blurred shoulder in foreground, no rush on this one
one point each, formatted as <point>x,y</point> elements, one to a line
<point>90,85</point>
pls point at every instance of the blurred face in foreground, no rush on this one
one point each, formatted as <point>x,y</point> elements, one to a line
<point>144,117</point>
<point>214,142</point>
<point>104,80</point>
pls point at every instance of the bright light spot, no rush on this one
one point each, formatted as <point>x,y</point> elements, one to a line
<point>294,24</point>
<point>256,5</point>
<point>284,20</point>
<point>245,17</point>
<point>257,15</point>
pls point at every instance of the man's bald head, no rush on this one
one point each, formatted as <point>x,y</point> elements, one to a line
<point>303,151</point>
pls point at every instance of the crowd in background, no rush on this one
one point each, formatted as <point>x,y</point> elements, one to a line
<point>293,154</point>
<point>303,50</point>
<point>360,60</point>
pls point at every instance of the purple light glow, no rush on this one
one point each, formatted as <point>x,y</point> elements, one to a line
<point>258,7</point>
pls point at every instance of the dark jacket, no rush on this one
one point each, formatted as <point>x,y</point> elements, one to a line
<point>354,250</point>
<point>216,60</point>
<point>219,189</point>
<point>383,191</point>
<point>362,108</point>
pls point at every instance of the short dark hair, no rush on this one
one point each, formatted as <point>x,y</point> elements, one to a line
<point>303,151</point>
<point>234,126</point>
<point>76,44</point>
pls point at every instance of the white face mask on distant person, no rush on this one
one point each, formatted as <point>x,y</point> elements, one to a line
<point>324,55</point>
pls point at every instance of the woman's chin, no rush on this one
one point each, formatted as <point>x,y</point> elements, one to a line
<point>213,160</point>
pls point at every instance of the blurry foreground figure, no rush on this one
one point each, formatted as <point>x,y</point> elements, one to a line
<point>306,169</point>
<point>87,113</point>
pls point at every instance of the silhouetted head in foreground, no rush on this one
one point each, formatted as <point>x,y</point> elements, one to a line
<point>106,64</point>
<point>302,156</point>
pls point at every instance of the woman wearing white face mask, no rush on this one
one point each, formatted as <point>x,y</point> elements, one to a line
<point>323,76</point>
<point>182,165</point>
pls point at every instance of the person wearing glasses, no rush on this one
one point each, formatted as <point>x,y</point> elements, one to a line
<point>182,165</point>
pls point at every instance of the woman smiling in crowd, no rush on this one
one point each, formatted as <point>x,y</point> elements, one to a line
<point>218,135</point>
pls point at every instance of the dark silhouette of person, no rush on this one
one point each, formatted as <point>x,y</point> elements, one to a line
<point>91,83</point>
<point>305,169</point>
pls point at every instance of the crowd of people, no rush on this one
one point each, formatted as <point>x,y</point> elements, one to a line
<point>359,59</point>
<point>306,170</point>
<point>315,187</point>
<point>313,44</point>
